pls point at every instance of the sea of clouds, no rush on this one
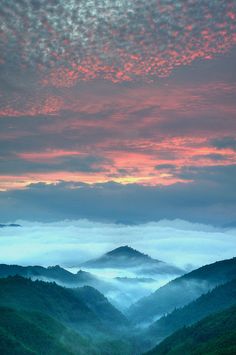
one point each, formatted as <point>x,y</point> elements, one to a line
<point>68,243</point>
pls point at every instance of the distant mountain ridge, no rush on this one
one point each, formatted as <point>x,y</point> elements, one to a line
<point>130,252</point>
<point>182,290</point>
<point>220,298</point>
<point>120,257</point>
<point>114,289</point>
<point>3,225</point>
<point>51,273</point>
<point>82,321</point>
<point>129,258</point>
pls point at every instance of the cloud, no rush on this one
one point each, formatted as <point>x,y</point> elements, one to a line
<point>212,156</point>
<point>115,40</point>
<point>87,164</point>
<point>224,175</point>
<point>209,198</point>
<point>165,166</point>
<point>168,125</point>
<point>71,242</point>
<point>224,142</point>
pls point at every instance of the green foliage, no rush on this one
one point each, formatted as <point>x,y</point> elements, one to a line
<point>214,335</point>
<point>82,310</point>
<point>27,333</point>
<point>183,290</point>
<point>100,305</point>
<point>35,333</point>
<point>61,303</point>
<point>43,318</point>
<point>9,345</point>
<point>218,299</point>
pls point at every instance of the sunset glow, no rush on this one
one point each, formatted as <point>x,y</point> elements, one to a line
<point>123,92</point>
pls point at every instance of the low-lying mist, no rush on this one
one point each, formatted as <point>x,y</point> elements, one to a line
<point>69,243</point>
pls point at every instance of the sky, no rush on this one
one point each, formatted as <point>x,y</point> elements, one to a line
<point>118,111</point>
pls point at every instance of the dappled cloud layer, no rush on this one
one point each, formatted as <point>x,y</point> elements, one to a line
<point>118,40</point>
<point>100,100</point>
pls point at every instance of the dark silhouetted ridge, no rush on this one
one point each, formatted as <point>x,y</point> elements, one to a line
<point>126,257</point>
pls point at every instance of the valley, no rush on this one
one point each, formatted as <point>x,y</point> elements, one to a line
<point>95,310</point>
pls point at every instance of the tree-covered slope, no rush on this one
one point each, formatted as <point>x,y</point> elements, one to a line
<point>101,306</point>
<point>78,308</point>
<point>63,278</point>
<point>182,291</point>
<point>214,335</point>
<point>105,328</point>
<point>220,298</point>
<point>49,298</point>
<point>27,333</point>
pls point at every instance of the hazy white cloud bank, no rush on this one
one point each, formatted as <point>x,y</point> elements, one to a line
<point>69,243</point>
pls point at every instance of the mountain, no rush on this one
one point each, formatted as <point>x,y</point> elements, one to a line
<point>145,273</point>
<point>51,273</point>
<point>9,225</point>
<point>115,290</point>
<point>58,302</point>
<point>181,291</point>
<point>100,306</point>
<point>214,335</point>
<point>57,274</point>
<point>28,333</point>
<point>83,310</point>
<point>220,298</point>
<point>122,257</point>
<point>68,306</point>
<point>126,257</point>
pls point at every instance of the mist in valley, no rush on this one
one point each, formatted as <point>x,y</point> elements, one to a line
<point>139,270</point>
<point>69,243</point>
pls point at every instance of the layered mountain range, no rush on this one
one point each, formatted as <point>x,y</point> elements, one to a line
<point>54,311</point>
<point>146,272</point>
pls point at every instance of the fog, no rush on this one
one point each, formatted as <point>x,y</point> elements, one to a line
<point>68,243</point>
